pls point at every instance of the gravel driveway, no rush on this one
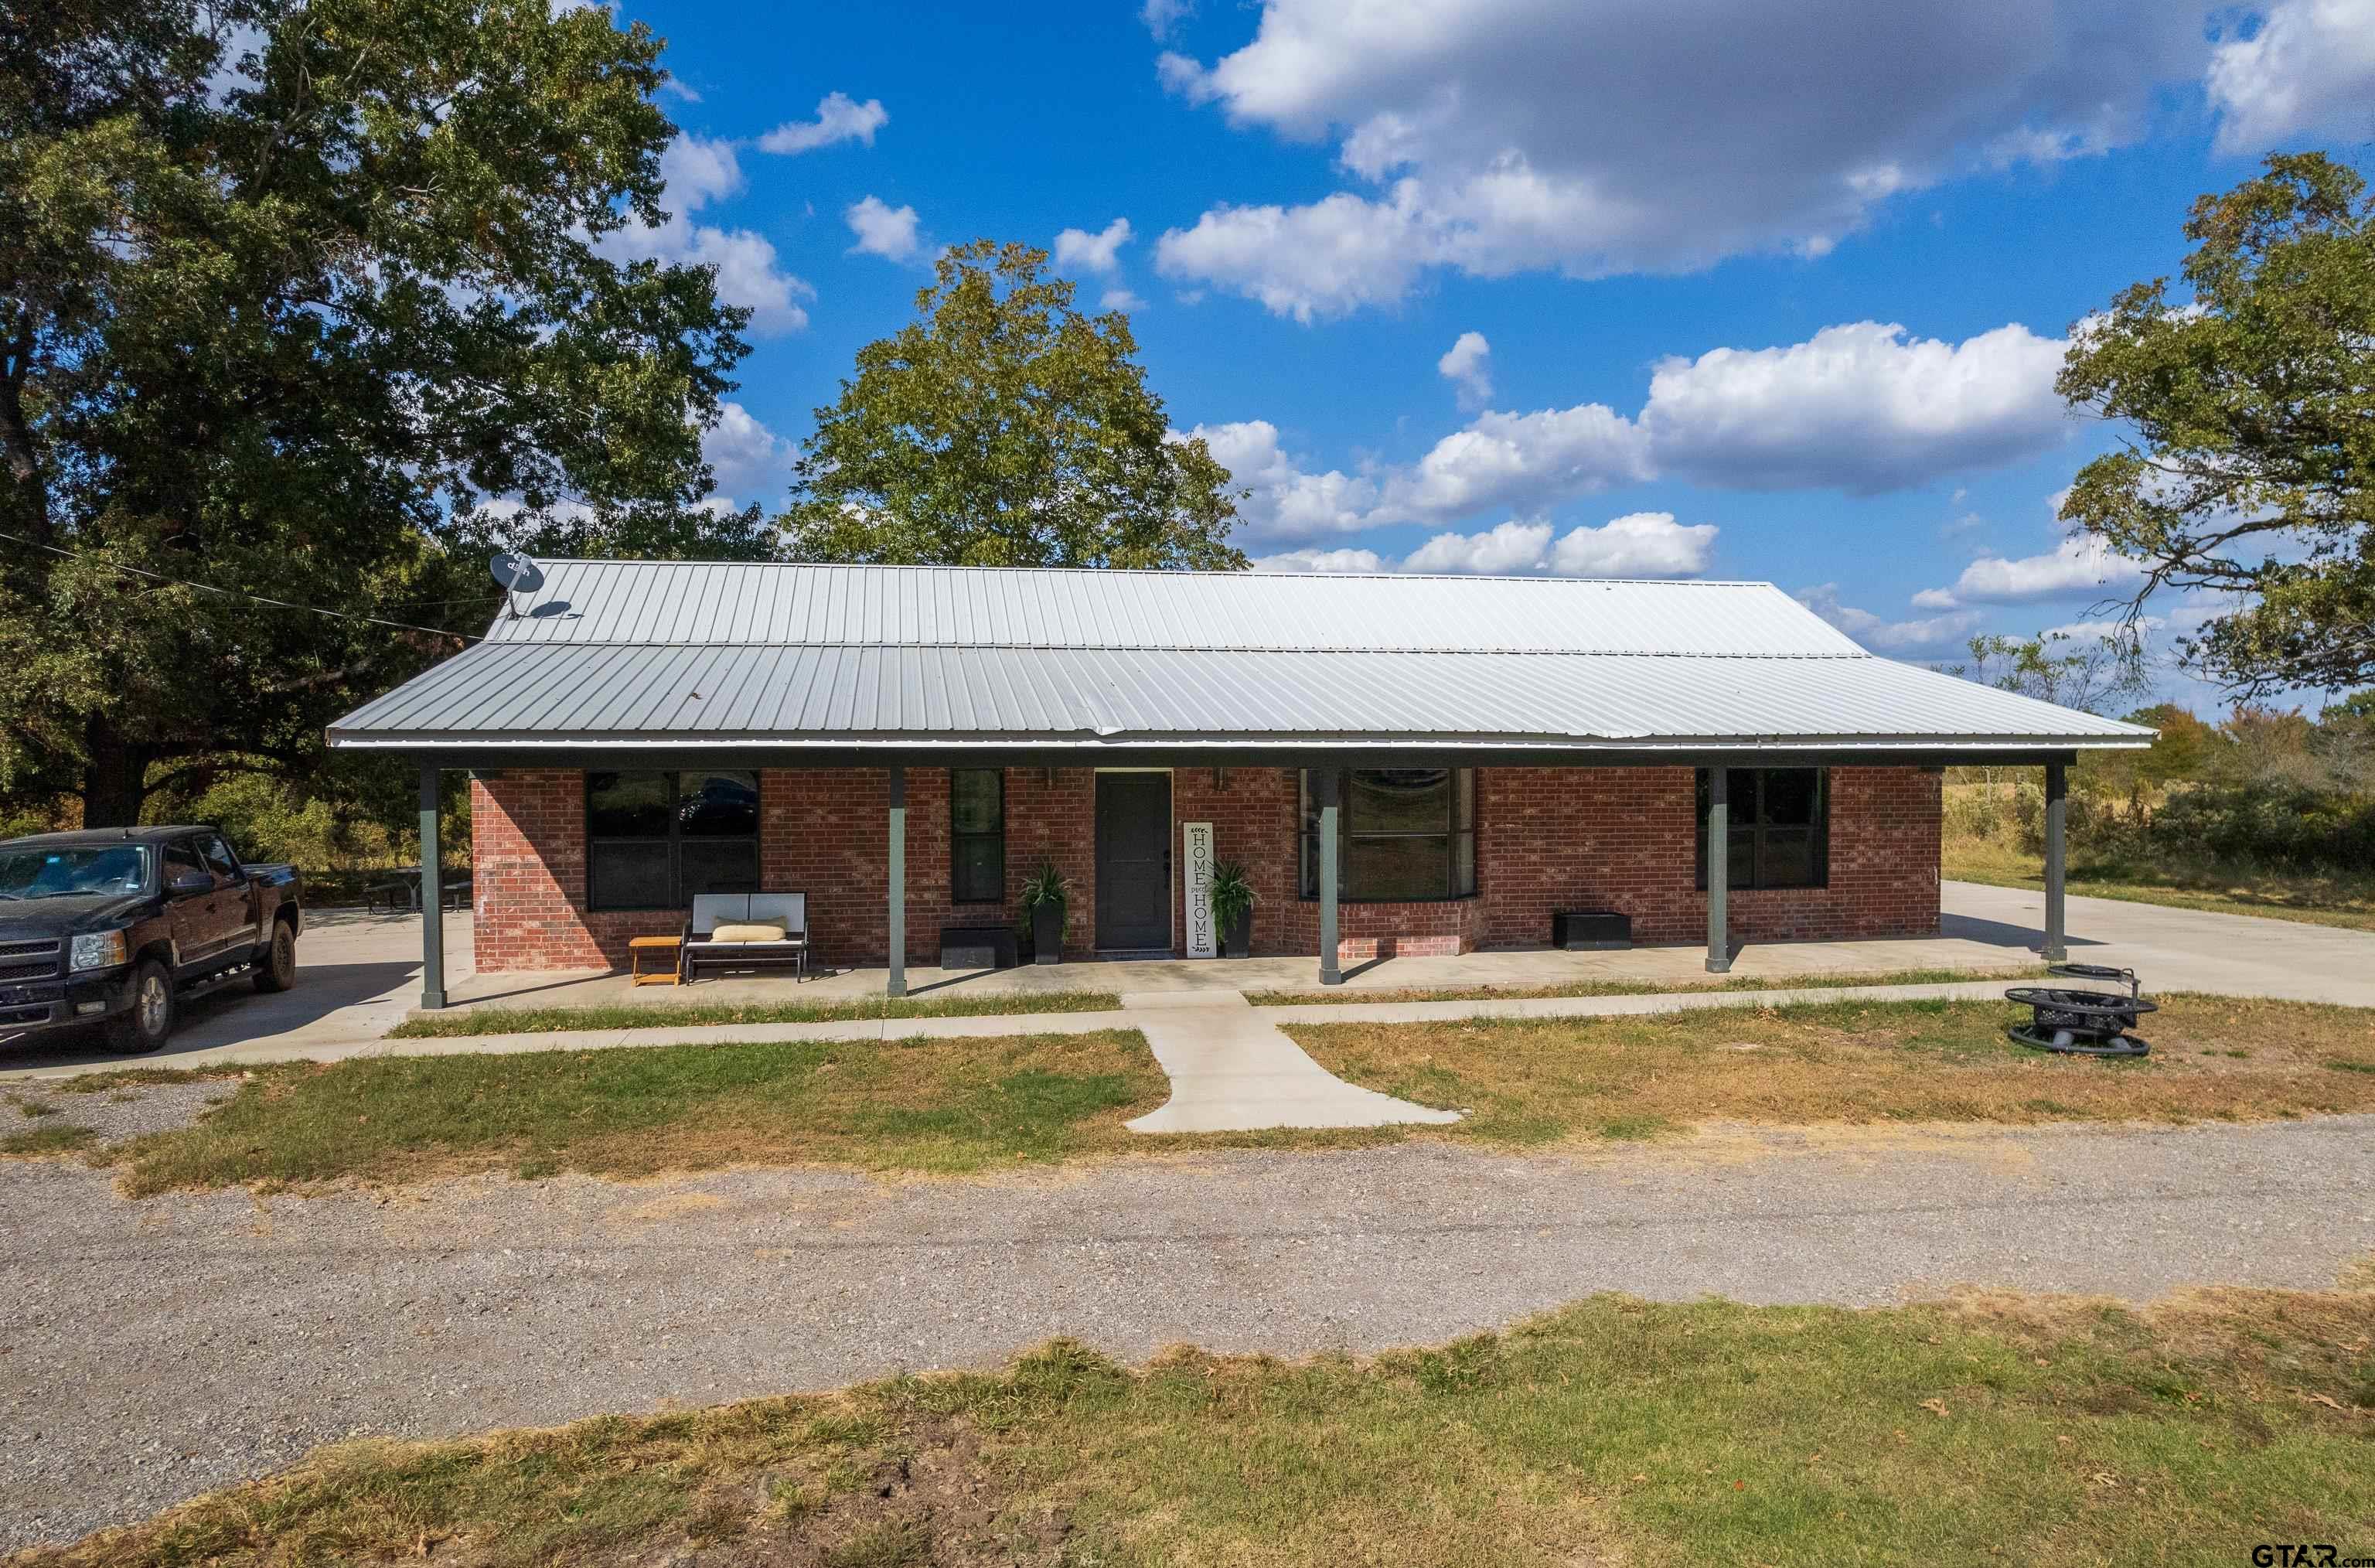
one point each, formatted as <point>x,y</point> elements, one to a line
<point>159,1349</point>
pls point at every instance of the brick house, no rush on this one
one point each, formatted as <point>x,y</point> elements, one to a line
<point>1468,755</point>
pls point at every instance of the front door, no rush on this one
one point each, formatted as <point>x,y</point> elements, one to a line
<point>1133,862</point>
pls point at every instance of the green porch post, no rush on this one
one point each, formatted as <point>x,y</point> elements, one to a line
<point>898,984</point>
<point>432,894</point>
<point>2057,810</point>
<point>1324,781</point>
<point>1718,871</point>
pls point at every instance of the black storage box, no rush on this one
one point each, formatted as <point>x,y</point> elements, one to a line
<point>976,946</point>
<point>1591,930</point>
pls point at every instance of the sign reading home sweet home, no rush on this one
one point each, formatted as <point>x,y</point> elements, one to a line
<point>1197,887</point>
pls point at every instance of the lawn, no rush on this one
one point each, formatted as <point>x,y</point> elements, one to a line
<point>1989,1429</point>
<point>927,1106</point>
<point>1533,1082</point>
<point>1338,995</point>
<point>688,1015</point>
<point>2316,901</point>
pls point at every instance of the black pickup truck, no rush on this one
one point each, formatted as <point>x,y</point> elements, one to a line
<point>114,927</point>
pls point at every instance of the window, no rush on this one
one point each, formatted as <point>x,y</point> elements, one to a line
<point>218,857</point>
<point>655,840</point>
<point>1781,828</point>
<point>180,859</point>
<point>976,835</point>
<point>1404,834</point>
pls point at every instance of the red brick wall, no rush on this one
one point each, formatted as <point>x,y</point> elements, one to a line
<point>1547,839</point>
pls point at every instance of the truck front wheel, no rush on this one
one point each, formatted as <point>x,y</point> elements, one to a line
<point>275,965</point>
<point>148,1022</point>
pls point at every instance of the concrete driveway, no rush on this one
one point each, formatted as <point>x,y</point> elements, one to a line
<point>2179,949</point>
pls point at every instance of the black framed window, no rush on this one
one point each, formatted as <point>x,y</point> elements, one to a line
<point>976,835</point>
<point>1781,828</point>
<point>1405,835</point>
<point>653,840</point>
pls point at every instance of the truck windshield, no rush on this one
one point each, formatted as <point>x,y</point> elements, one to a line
<point>50,873</point>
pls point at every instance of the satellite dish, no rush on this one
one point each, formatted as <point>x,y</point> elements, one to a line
<point>517,573</point>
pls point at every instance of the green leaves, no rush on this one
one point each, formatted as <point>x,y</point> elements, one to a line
<point>1003,427</point>
<point>2250,413</point>
<point>285,328</point>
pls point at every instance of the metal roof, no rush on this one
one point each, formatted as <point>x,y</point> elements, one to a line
<point>618,654</point>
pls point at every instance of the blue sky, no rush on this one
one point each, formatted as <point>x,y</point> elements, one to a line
<point>1517,284</point>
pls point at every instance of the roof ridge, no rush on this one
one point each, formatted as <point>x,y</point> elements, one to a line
<point>1545,579</point>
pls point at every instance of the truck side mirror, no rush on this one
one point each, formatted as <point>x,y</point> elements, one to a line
<point>187,882</point>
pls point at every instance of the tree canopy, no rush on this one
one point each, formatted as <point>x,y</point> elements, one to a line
<point>305,299</point>
<point>2252,412</point>
<point>1004,428</point>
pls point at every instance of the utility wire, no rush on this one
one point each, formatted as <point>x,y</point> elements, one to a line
<point>243,594</point>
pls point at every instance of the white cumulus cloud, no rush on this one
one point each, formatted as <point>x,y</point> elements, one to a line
<point>2309,68</point>
<point>1495,135</point>
<point>1120,300</point>
<point>839,118</point>
<point>1319,561</point>
<point>1522,461</point>
<point>2079,565</point>
<point>1092,253</point>
<point>1162,15</point>
<point>882,229</point>
<point>1920,637</point>
<point>749,273</point>
<point>1463,364</point>
<point>1860,406</point>
<point>1286,502</point>
<point>1641,544</point>
<point>749,461</point>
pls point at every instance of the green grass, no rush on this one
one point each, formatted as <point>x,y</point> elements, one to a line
<point>926,1106</point>
<point>1336,995</point>
<point>1988,1430</point>
<point>2348,903</point>
<point>548,1021</point>
<point>53,1138</point>
<point>1531,1081</point>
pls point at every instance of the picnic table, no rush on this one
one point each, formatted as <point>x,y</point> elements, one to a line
<point>404,884</point>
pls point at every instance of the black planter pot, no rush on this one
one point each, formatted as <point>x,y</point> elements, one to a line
<point>1047,933</point>
<point>1238,936</point>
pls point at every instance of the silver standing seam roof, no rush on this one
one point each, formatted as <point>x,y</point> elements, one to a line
<point>614,656</point>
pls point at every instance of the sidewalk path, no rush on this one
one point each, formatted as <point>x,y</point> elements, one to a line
<point>1233,1070</point>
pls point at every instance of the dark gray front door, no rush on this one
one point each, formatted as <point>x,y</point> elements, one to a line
<point>1133,861</point>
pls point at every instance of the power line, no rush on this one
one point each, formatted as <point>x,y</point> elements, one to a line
<point>244,593</point>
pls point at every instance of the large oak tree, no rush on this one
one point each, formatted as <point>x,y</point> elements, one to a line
<point>1004,428</point>
<point>2248,466</point>
<point>290,291</point>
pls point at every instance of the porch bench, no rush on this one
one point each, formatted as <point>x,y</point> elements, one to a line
<point>698,945</point>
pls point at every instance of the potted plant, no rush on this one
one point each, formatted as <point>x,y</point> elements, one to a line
<point>1231,898</point>
<point>1045,896</point>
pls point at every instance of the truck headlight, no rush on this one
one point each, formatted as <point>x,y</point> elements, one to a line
<point>97,949</point>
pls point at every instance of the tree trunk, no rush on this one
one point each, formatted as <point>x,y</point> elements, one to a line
<point>115,780</point>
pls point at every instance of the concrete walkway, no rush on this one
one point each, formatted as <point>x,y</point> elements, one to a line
<point>1233,1070</point>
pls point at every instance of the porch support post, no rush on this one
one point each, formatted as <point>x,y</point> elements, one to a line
<point>898,879</point>
<point>1324,785</point>
<point>433,894</point>
<point>2057,811</point>
<point>1718,871</point>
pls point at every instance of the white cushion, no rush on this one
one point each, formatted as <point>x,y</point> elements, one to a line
<point>753,931</point>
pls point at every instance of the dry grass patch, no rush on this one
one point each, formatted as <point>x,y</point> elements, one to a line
<point>1529,1081</point>
<point>1988,1428</point>
<point>1342,994</point>
<point>927,1106</point>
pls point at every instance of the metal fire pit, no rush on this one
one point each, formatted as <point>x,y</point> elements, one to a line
<point>2082,1023</point>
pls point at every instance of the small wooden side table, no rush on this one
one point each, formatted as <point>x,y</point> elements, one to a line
<point>638,946</point>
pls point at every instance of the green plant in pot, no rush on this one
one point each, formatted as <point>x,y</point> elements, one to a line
<point>1231,898</point>
<point>1044,895</point>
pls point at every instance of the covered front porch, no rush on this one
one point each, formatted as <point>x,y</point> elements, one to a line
<point>1327,958</point>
